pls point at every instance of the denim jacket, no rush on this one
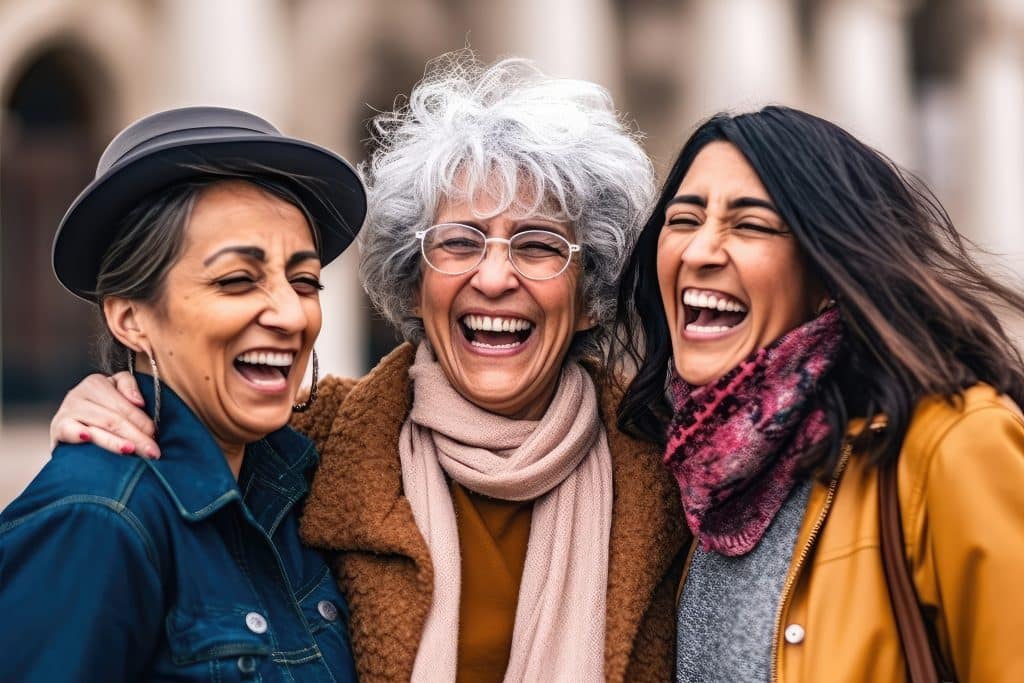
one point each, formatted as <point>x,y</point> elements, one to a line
<point>116,568</point>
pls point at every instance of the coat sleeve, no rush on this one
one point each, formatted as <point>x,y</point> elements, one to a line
<point>974,521</point>
<point>80,594</point>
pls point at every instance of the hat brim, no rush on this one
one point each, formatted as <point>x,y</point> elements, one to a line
<point>335,197</point>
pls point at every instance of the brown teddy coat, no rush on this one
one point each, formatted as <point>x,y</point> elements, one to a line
<point>357,512</point>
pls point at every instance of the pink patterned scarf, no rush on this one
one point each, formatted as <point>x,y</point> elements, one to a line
<point>734,445</point>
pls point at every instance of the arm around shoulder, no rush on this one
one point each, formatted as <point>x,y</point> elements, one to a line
<point>80,594</point>
<point>975,539</point>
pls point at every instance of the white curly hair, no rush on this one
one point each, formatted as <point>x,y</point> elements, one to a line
<point>536,145</point>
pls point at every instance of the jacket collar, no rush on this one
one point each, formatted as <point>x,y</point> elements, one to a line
<point>196,475</point>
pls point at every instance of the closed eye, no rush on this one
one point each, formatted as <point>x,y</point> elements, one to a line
<point>236,284</point>
<point>682,222</point>
<point>763,229</point>
<point>307,284</point>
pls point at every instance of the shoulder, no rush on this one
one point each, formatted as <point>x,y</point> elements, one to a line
<point>81,472</point>
<point>334,392</point>
<point>92,501</point>
<point>85,480</point>
<point>969,446</point>
<point>979,416</point>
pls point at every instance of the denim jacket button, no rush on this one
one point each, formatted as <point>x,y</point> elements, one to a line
<point>327,610</point>
<point>255,622</point>
<point>247,664</point>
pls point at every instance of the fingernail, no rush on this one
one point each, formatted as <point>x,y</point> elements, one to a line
<point>127,448</point>
<point>151,452</point>
<point>84,436</point>
<point>139,400</point>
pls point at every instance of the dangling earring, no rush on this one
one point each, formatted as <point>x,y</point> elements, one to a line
<point>156,382</point>
<point>824,306</point>
<point>304,406</point>
<point>156,390</point>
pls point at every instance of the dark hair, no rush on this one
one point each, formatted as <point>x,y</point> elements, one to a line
<point>917,309</point>
<point>151,238</point>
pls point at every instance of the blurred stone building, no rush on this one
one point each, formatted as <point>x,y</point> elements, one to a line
<point>937,84</point>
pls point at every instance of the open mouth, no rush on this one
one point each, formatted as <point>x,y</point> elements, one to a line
<point>495,332</point>
<point>265,368</point>
<point>709,311</point>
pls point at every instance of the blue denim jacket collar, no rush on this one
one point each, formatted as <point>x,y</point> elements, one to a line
<point>196,475</point>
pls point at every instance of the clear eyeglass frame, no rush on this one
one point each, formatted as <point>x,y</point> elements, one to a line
<point>421,236</point>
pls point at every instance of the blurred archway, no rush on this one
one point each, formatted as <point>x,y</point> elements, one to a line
<point>49,142</point>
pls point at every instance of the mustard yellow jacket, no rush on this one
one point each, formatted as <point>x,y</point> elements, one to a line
<point>961,489</point>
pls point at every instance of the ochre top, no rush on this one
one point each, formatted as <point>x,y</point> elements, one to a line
<point>493,535</point>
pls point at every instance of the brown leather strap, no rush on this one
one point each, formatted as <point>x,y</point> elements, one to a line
<point>923,661</point>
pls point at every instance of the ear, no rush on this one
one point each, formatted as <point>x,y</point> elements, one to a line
<point>125,320</point>
<point>585,322</point>
<point>417,308</point>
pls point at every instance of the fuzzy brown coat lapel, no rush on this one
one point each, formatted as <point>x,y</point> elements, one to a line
<point>357,512</point>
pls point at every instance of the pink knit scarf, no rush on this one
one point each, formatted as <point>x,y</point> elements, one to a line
<point>562,462</point>
<point>734,445</point>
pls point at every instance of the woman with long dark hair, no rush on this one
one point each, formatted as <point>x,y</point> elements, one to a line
<point>820,320</point>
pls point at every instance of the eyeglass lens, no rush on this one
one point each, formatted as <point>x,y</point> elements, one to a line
<point>456,249</point>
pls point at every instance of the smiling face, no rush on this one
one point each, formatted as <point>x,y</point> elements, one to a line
<point>500,337</point>
<point>731,275</point>
<point>239,312</point>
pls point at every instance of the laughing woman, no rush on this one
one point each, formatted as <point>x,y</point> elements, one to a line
<point>488,521</point>
<point>200,242</point>
<point>821,322</point>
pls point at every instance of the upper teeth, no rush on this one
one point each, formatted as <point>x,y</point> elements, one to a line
<point>702,300</point>
<point>495,324</point>
<point>277,359</point>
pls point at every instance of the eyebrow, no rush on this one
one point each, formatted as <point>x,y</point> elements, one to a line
<point>300,256</point>
<point>739,203</point>
<point>257,254</point>
<point>251,253</point>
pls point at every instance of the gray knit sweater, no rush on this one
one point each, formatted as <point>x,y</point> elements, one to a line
<point>727,610</point>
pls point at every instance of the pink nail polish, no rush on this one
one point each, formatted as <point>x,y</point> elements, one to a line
<point>127,448</point>
<point>84,436</point>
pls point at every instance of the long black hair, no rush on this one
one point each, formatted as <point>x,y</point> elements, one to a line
<point>917,308</point>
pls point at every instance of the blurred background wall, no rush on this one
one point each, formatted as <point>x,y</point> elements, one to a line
<point>936,84</point>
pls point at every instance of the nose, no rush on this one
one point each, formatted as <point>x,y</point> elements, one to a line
<point>705,248</point>
<point>495,275</point>
<point>284,311</point>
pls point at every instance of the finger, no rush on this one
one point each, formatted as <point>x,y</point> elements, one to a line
<point>66,430</point>
<point>108,393</point>
<point>108,428</point>
<point>128,387</point>
<point>71,431</point>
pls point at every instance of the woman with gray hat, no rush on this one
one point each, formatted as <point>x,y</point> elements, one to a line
<point>487,520</point>
<point>201,242</point>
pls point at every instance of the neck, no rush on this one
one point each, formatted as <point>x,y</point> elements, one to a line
<point>233,453</point>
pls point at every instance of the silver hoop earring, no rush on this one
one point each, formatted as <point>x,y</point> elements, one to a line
<point>156,382</point>
<point>311,399</point>
<point>156,390</point>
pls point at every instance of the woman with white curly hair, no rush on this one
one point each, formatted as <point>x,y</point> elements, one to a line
<point>487,519</point>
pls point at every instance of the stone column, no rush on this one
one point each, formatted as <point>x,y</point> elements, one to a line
<point>568,38</point>
<point>739,55</point>
<point>994,147</point>
<point>863,71</point>
<point>226,52</point>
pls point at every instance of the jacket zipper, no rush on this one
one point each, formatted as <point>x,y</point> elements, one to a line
<point>804,552</point>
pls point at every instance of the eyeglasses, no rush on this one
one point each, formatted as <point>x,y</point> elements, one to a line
<point>454,249</point>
